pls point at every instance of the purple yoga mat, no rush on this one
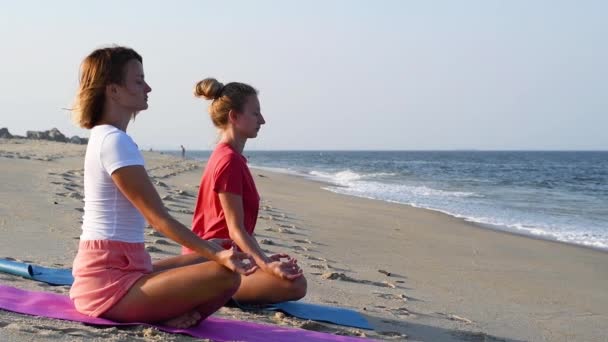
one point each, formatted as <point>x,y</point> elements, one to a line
<point>57,306</point>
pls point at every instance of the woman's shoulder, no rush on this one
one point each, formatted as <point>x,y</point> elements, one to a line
<point>224,155</point>
<point>102,132</point>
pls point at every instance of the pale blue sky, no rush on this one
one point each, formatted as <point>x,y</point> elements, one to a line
<point>331,74</point>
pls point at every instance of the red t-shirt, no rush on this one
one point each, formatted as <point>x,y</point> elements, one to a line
<point>226,171</point>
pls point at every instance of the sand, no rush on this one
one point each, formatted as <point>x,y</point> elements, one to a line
<point>415,274</point>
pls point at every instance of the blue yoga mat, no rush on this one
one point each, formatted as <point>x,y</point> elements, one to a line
<point>314,312</point>
<point>323,313</point>
<point>53,276</point>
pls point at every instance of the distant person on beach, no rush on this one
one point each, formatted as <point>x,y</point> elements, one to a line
<point>183,151</point>
<point>114,276</point>
<point>228,201</point>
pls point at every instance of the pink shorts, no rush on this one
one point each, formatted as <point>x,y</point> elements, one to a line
<point>104,271</point>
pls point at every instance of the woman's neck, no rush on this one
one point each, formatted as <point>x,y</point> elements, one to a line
<point>116,116</point>
<point>119,122</point>
<point>237,143</point>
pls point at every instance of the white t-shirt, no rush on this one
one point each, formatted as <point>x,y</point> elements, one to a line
<point>108,214</point>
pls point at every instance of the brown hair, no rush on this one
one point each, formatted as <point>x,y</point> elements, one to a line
<point>231,96</point>
<point>102,67</point>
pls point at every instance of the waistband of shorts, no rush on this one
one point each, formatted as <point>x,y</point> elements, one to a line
<point>112,245</point>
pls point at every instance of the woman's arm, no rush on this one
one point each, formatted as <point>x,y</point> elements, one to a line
<point>232,205</point>
<point>135,185</point>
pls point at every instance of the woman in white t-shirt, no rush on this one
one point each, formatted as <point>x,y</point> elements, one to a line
<point>114,277</point>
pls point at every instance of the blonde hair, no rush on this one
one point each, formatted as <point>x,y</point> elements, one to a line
<point>102,67</point>
<point>231,96</point>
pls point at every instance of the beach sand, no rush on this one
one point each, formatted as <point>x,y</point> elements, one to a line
<point>415,274</point>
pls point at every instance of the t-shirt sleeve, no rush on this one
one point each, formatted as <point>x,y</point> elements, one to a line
<point>228,176</point>
<point>118,150</point>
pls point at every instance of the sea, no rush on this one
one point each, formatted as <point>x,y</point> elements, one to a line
<point>553,195</point>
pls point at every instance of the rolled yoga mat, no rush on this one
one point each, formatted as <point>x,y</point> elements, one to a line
<point>53,276</point>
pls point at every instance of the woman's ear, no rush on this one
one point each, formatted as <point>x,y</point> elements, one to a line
<point>111,91</point>
<point>232,116</point>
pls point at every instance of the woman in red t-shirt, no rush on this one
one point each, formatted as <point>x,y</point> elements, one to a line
<point>228,201</point>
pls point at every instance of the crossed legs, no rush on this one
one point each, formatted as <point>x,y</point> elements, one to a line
<point>177,296</point>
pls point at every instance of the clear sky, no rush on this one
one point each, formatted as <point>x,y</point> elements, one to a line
<point>331,74</point>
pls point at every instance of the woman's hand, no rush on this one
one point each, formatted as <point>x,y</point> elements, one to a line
<point>288,269</point>
<point>236,261</point>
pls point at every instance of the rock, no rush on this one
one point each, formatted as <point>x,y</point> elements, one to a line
<point>55,135</point>
<point>37,135</point>
<point>4,133</point>
<point>78,140</point>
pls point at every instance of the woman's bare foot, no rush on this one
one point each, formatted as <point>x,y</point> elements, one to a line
<point>187,320</point>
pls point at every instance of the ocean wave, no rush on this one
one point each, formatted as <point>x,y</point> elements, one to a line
<point>346,176</point>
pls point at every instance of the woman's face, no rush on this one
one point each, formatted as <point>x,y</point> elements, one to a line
<point>133,93</point>
<point>249,121</point>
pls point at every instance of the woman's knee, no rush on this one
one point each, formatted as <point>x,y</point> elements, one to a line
<point>299,287</point>
<point>230,280</point>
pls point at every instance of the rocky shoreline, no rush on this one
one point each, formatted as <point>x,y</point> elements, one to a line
<point>51,135</point>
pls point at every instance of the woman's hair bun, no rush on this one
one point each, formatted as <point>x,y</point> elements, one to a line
<point>209,88</point>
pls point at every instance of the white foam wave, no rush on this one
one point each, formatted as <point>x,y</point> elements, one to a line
<point>347,176</point>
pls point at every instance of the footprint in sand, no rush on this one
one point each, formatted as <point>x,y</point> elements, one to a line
<point>400,297</point>
<point>344,277</point>
<point>153,232</point>
<point>389,284</point>
<point>303,241</point>
<point>315,258</point>
<point>400,312</point>
<point>159,183</point>
<point>184,193</point>
<point>392,335</point>
<point>266,242</point>
<point>162,242</point>
<point>300,248</point>
<point>75,195</point>
<point>453,317</point>
<point>387,273</point>
<point>320,266</point>
<point>154,249</point>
